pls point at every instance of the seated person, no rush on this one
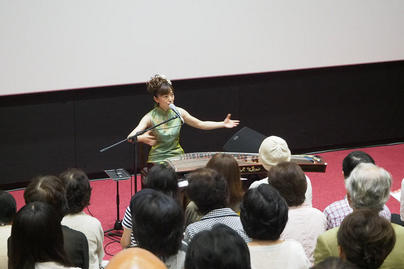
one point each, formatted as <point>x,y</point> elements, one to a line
<point>219,248</point>
<point>305,223</point>
<point>135,258</point>
<point>78,193</point>
<point>208,189</point>
<point>264,214</point>
<point>8,209</point>
<point>37,240</point>
<point>51,190</point>
<point>368,186</point>
<point>365,238</point>
<point>337,211</point>
<point>395,218</point>
<point>272,151</point>
<point>159,226</point>
<point>160,178</point>
<point>226,165</point>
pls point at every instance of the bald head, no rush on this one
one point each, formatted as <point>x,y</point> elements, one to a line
<point>135,258</point>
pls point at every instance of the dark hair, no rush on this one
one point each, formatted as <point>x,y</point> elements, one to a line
<point>353,159</point>
<point>227,165</point>
<point>208,189</point>
<point>162,178</point>
<point>366,238</point>
<point>78,190</point>
<point>159,85</point>
<point>334,263</point>
<point>36,236</point>
<point>288,178</point>
<point>48,189</point>
<point>8,208</point>
<point>264,213</point>
<point>158,222</point>
<point>220,247</point>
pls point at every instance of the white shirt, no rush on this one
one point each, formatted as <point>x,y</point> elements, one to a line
<point>286,255</point>
<point>52,265</point>
<point>92,229</point>
<point>308,194</point>
<point>5,232</point>
<point>304,225</point>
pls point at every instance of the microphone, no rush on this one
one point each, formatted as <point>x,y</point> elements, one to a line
<point>174,108</point>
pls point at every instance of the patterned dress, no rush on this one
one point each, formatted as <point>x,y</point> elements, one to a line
<point>167,135</point>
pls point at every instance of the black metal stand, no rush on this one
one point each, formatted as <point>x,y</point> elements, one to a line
<point>117,175</point>
<point>120,174</point>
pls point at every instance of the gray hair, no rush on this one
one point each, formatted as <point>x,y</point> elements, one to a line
<point>368,186</point>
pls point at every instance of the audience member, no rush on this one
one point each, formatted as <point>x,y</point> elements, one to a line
<point>264,214</point>
<point>365,238</point>
<point>160,178</point>
<point>396,218</point>
<point>78,193</point>
<point>334,263</point>
<point>305,223</point>
<point>36,239</point>
<point>50,189</point>
<point>226,165</point>
<point>8,209</point>
<point>219,248</point>
<point>337,211</point>
<point>208,189</point>
<point>159,224</point>
<point>402,202</point>
<point>272,151</point>
<point>135,258</point>
<point>368,186</point>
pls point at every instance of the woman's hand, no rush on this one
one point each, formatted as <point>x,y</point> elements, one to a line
<point>147,138</point>
<point>229,123</point>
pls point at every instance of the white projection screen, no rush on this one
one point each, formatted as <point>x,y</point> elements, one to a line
<point>49,45</point>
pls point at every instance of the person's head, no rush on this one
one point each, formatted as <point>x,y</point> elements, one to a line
<point>135,258</point>
<point>272,151</point>
<point>353,159</point>
<point>159,222</point>
<point>78,190</point>
<point>36,236</point>
<point>8,208</point>
<point>220,248</point>
<point>208,189</point>
<point>365,238</point>
<point>48,189</point>
<point>227,165</point>
<point>264,213</point>
<point>368,186</point>
<point>162,91</point>
<point>334,263</point>
<point>288,178</point>
<point>162,178</point>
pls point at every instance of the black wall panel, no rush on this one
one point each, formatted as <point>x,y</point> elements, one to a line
<point>312,109</point>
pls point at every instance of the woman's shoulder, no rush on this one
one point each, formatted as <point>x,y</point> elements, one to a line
<point>52,265</point>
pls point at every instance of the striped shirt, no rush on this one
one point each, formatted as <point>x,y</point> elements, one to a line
<point>224,216</point>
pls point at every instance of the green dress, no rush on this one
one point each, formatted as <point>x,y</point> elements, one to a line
<point>167,135</point>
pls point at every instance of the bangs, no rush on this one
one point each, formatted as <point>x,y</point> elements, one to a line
<point>164,89</point>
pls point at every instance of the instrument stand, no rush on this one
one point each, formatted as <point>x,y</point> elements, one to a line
<point>117,175</point>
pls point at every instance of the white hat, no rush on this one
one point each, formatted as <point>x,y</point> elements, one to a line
<point>273,150</point>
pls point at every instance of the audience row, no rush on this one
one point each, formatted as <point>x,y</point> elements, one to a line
<point>271,225</point>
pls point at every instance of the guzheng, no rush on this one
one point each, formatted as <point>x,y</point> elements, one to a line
<point>248,162</point>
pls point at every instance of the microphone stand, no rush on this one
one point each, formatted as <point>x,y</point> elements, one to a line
<point>134,139</point>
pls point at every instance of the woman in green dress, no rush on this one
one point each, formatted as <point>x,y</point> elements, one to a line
<point>164,139</point>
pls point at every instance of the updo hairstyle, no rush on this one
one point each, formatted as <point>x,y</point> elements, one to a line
<point>159,85</point>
